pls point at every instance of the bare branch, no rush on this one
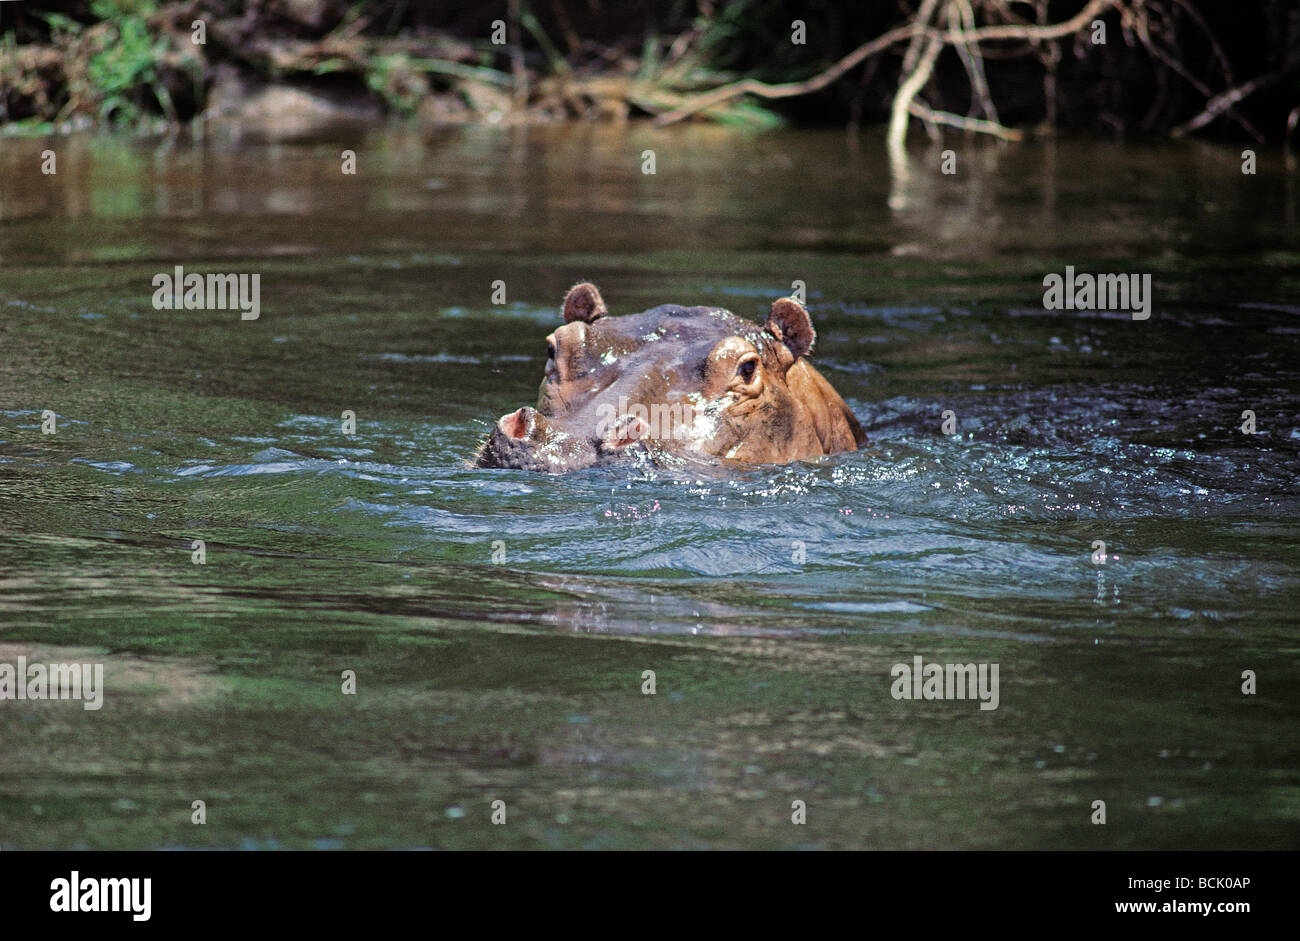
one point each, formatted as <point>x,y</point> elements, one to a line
<point>961,17</point>
<point>1225,100</point>
<point>907,92</point>
<point>977,125</point>
<point>751,86</point>
<point>918,29</point>
<point>1039,33</point>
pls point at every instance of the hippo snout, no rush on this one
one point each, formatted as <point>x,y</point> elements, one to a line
<point>526,439</point>
<point>514,440</point>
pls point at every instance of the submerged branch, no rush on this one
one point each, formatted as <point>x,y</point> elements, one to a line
<point>908,90</point>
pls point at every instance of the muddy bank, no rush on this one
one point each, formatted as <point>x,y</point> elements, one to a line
<point>292,69</point>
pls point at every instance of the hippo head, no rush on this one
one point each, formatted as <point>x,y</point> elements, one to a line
<point>674,381</point>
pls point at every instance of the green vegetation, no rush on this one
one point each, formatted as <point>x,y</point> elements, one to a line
<point>125,67</point>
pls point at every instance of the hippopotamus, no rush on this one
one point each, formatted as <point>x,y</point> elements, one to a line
<point>684,382</point>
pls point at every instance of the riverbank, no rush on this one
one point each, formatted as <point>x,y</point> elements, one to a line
<point>287,69</point>
<point>154,67</point>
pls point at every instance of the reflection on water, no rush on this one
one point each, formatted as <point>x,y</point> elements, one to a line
<point>771,603</point>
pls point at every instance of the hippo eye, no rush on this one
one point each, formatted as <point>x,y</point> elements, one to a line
<point>550,350</point>
<point>748,366</point>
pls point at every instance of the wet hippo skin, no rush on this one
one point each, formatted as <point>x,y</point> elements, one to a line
<point>674,382</point>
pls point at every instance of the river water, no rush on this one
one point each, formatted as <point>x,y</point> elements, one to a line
<point>500,623</point>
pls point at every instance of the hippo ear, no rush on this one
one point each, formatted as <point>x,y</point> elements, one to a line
<point>790,324</point>
<point>583,302</point>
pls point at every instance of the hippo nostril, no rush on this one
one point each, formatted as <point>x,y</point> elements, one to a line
<point>515,425</point>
